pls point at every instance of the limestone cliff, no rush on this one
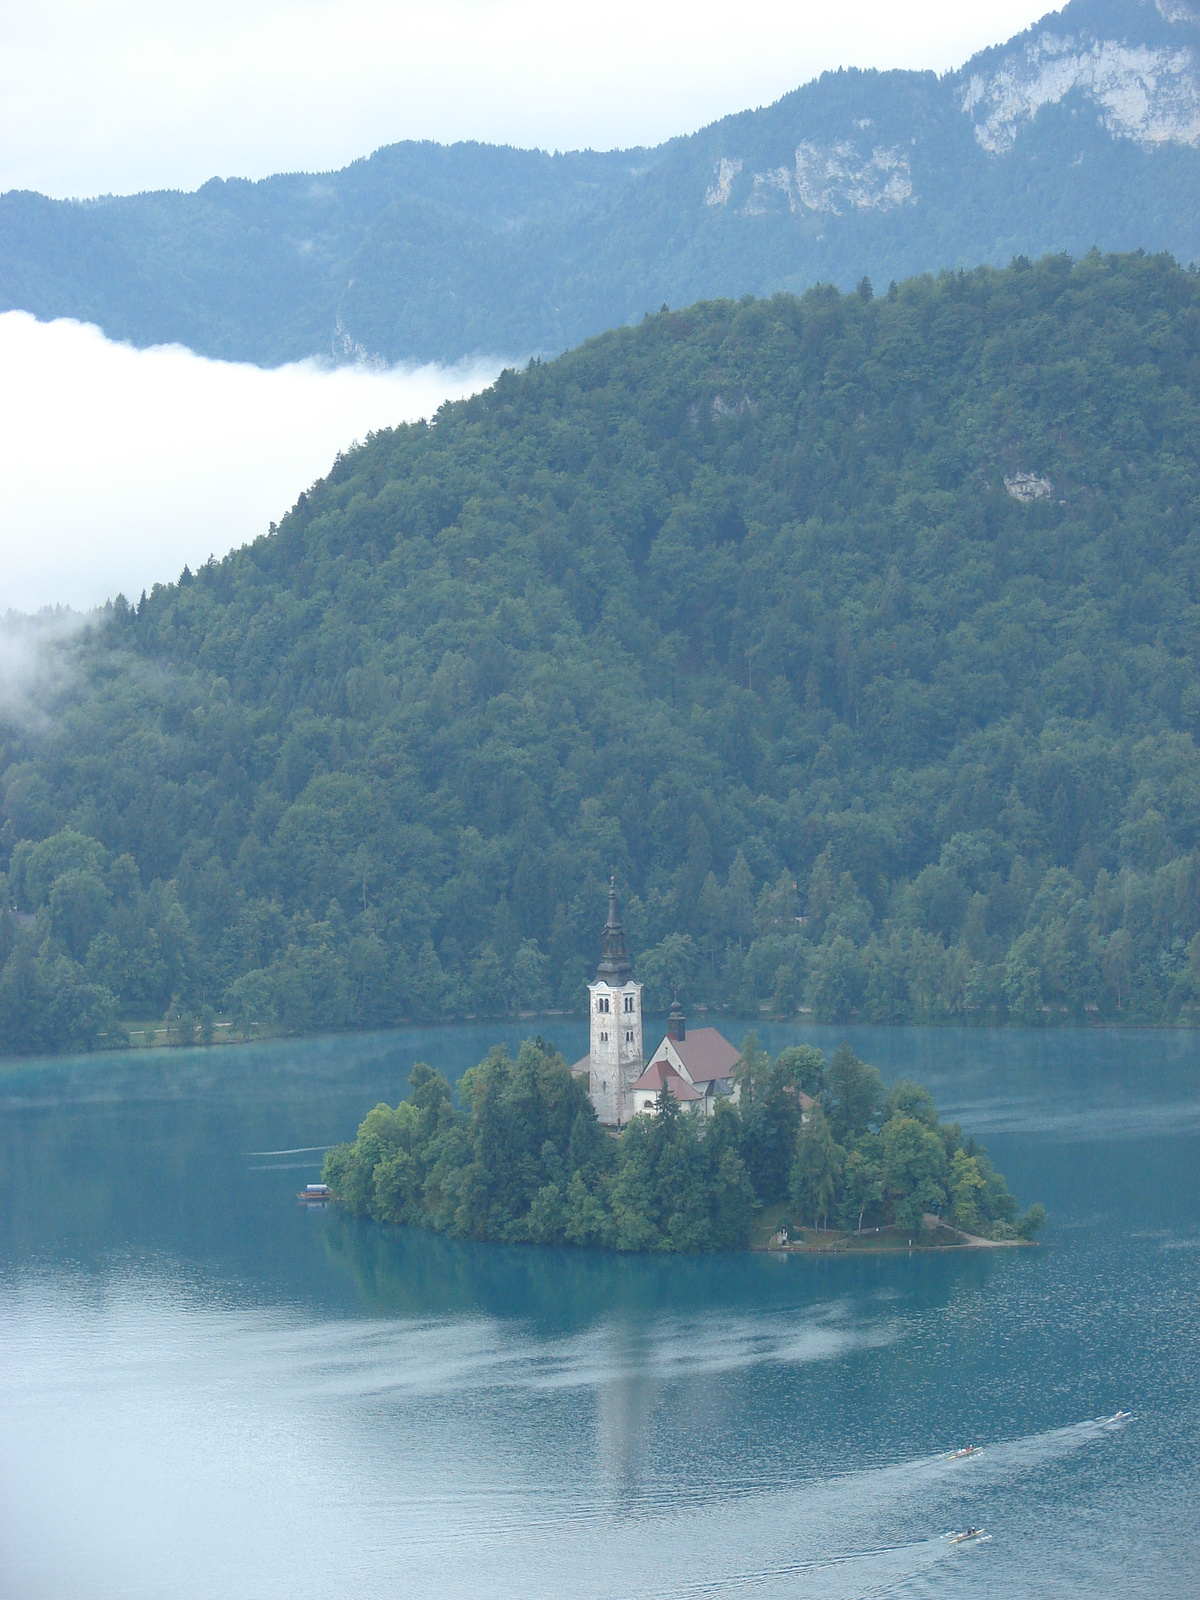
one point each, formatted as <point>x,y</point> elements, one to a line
<point>1082,131</point>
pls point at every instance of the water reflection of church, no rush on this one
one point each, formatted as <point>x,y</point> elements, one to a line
<point>696,1068</point>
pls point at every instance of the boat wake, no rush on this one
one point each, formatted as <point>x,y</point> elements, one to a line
<point>486,1468</point>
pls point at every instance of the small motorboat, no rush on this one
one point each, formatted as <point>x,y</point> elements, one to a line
<point>967,1450</point>
<point>316,1194</point>
<point>968,1536</point>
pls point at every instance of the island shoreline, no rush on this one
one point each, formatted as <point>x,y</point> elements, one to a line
<point>847,1244</point>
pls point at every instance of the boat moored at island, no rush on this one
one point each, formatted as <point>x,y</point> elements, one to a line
<point>315,1194</point>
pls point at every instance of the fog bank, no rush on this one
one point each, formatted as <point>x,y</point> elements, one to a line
<point>117,465</point>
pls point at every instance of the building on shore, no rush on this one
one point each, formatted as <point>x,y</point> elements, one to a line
<point>661,1075</point>
<point>697,1069</point>
<point>701,1063</point>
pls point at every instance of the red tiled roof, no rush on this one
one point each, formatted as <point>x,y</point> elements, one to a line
<point>706,1054</point>
<point>806,1100</point>
<point>660,1072</point>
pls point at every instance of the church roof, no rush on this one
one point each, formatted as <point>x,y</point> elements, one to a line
<point>660,1072</point>
<point>615,967</point>
<point>706,1054</point>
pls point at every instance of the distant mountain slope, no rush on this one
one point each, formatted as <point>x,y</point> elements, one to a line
<point>879,613</point>
<point>258,271</point>
<point>1083,131</point>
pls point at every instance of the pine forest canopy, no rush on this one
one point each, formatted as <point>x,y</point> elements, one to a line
<point>1083,131</point>
<point>736,604</point>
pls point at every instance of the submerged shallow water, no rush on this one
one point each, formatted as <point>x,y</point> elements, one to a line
<point>207,1389</point>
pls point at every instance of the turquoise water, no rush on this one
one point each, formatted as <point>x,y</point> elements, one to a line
<point>208,1390</point>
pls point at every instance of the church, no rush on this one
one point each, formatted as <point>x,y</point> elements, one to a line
<point>696,1068</point>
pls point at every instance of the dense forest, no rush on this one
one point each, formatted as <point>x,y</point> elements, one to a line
<point>525,1160</point>
<point>854,633</point>
<point>433,252</point>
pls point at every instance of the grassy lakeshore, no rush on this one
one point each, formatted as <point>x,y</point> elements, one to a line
<point>884,1240</point>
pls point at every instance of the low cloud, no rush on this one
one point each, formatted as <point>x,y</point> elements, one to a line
<point>37,662</point>
<point>118,466</point>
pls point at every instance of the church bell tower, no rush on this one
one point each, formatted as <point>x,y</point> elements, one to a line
<point>615,1057</point>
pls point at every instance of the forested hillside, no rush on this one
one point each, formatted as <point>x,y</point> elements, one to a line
<point>856,634</point>
<point>1084,131</point>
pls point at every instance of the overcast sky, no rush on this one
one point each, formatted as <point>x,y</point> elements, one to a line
<point>112,96</point>
<point>117,466</point>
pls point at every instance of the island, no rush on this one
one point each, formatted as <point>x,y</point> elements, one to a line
<point>807,1153</point>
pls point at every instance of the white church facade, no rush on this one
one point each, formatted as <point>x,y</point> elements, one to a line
<point>698,1070</point>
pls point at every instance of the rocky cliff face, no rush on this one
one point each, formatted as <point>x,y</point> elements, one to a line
<point>1131,70</point>
<point>1149,93</point>
<point>1083,131</point>
<point>828,178</point>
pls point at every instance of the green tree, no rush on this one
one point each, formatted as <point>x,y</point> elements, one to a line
<point>251,1002</point>
<point>835,980</point>
<point>909,1099</point>
<point>529,976</point>
<point>862,1175</point>
<point>181,1023</point>
<point>1117,963</point>
<point>853,1096</point>
<point>816,1169</point>
<point>965,1185</point>
<point>752,1069</point>
<point>79,901</point>
<point>547,1215</point>
<point>667,968</point>
<point>772,1110</point>
<point>1033,1221</point>
<point>914,1164</point>
<point>1023,979</point>
<point>734,1202</point>
<point>586,1221</point>
<point>801,1067</point>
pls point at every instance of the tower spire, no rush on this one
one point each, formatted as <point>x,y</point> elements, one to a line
<point>677,1022</point>
<point>615,967</point>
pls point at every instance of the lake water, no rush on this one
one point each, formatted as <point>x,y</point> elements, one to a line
<point>208,1390</point>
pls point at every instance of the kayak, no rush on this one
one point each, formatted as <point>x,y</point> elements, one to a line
<point>971,1536</point>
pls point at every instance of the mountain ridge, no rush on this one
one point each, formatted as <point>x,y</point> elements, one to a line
<point>1082,131</point>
